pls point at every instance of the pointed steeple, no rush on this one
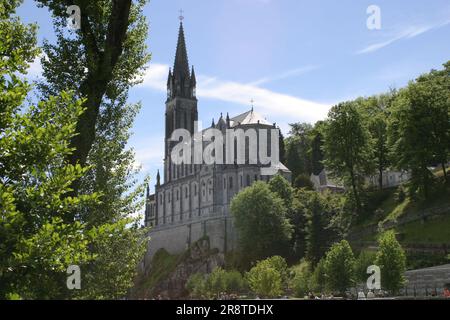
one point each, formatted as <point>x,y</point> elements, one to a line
<point>193,79</point>
<point>148,191</point>
<point>213,124</point>
<point>158,179</point>
<point>181,65</point>
<point>228,120</point>
<point>169,77</point>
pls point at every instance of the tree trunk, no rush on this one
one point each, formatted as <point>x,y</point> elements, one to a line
<point>444,171</point>
<point>355,192</point>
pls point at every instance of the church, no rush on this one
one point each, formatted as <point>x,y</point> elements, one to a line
<point>193,200</point>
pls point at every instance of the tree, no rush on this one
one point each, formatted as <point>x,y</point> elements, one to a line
<point>392,261</point>
<point>347,147</point>
<point>376,111</point>
<point>280,186</point>
<point>318,278</point>
<point>36,245</point>
<point>110,55</point>
<point>365,259</point>
<point>260,219</point>
<point>318,211</point>
<point>339,267</point>
<point>297,147</point>
<point>110,52</point>
<point>303,181</point>
<point>265,280</point>
<point>316,150</point>
<point>301,279</point>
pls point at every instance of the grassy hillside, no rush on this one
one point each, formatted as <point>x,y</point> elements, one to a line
<point>428,232</point>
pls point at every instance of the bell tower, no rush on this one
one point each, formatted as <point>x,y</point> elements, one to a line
<point>181,103</point>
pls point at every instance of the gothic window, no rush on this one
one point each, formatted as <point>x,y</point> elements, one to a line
<point>230,184</point>
<point>178,194</point>
<point>195,189</point>
<point>170,196</point>
<point>256,177</point>
<point>240,181</point>
<point>224,183</point>
<point>248,180</point>
<point>186,192</point>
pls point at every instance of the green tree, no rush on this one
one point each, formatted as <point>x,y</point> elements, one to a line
<point>376,110</point>
<point>280,186</point>
<point>36,244</point>
<point>339,267</point>
<point>301,279</point>
<point>260,219</point>
<point>392,261</point>
<point>347,147</point>
<point>316,149</point>
<point>298,144</point>
<point>103,58</point>
<point>318,280</point>
<point>365,259</point>
<point>110,55</point>
<point>196,285</point>
<point>419,129</point>
<point>265,280</point>
<point>318,210</point>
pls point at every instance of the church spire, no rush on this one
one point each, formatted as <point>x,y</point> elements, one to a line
<point>181,64</point>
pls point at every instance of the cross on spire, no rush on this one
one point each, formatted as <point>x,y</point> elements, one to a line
<point>181,17</point>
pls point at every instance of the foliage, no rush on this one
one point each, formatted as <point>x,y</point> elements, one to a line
<point>104,58</point>
<point>280,186</point>
<point>217,282</point>
<point>300,282</point>
<point>265,280</point>
<point>298,144</point>
<point>339,267</point>
<point>365,259</point>
<point>318,210</point>
<point>392,261</point>
<point>419,128</point>
<point>347,146</point>
<point>37,240</point>
<point>260,218</point>
<point>318,280</point>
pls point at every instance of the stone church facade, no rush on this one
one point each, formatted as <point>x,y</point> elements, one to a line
<point>194,200</point>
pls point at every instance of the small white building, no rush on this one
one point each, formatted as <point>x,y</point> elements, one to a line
<point>391,178</point>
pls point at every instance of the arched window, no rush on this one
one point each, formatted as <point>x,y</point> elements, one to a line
<point>248,180</point>
<point>230,184</point>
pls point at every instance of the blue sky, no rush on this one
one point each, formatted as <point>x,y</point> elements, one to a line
<point>294,58</point>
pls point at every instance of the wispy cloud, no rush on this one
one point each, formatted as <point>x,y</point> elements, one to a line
<point>267,101</point>
<point>406,33</point>
<point>284,75</point>
<point>149,152</point>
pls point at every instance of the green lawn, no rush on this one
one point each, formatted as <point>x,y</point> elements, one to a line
<point>433,231</point>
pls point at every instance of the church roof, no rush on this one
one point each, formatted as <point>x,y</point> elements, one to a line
<point>249,117</point>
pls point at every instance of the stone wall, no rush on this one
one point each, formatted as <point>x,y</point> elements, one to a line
<point>176,238</point>
<point>424,282</point>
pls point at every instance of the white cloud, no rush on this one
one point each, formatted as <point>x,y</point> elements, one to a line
<point>149,152</point>
<point>35,68</point>
<point>284,75</point>
<point>406,33</point>
<point>156,76</point>
<point>266,101</point>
